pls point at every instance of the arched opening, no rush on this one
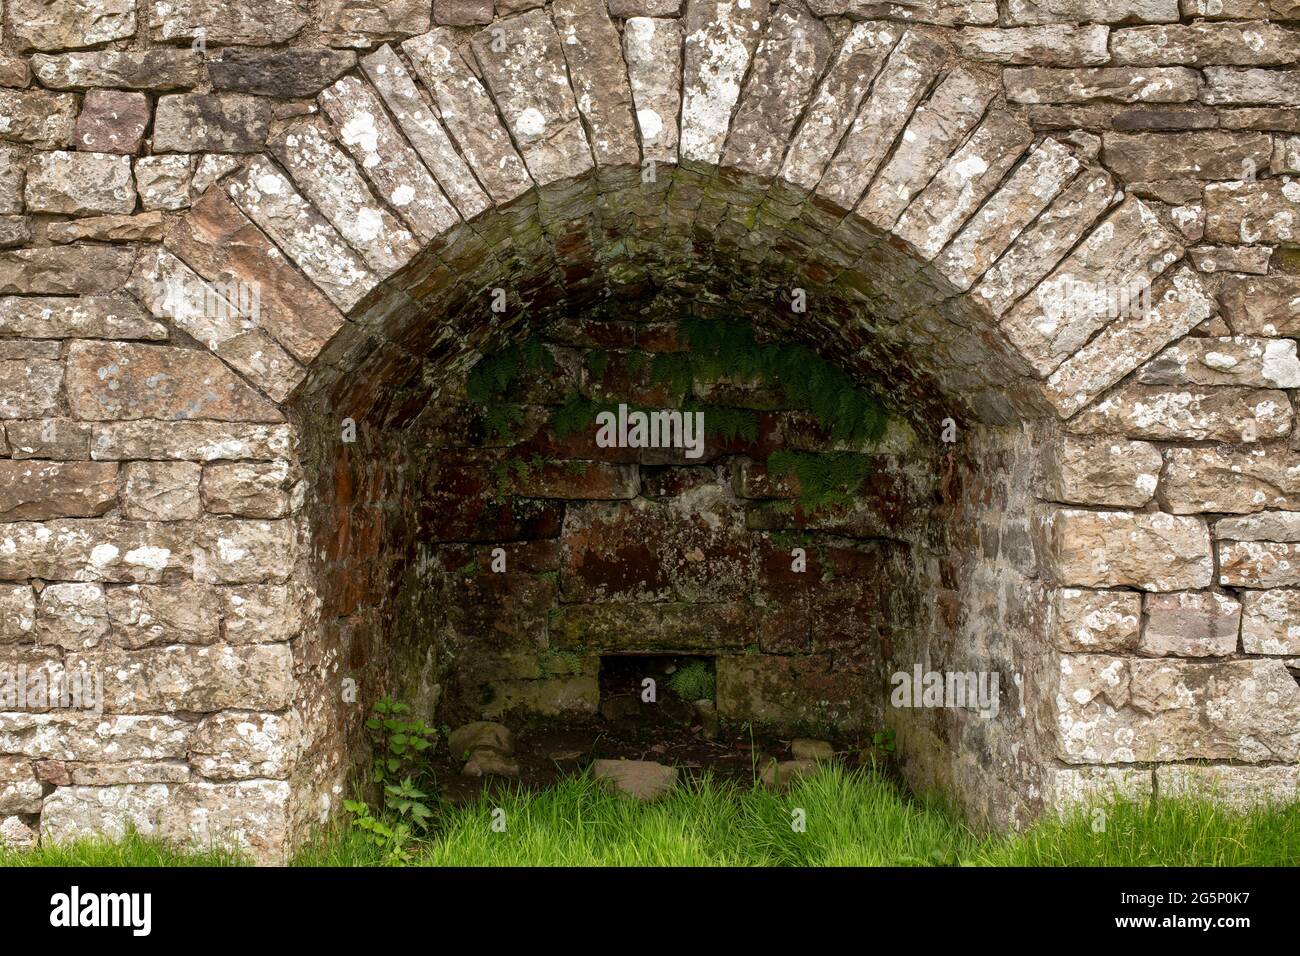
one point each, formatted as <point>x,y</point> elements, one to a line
<point>487,558</point>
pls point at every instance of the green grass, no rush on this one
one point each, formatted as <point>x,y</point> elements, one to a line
<point>131,850</point>
<point>852,819</point>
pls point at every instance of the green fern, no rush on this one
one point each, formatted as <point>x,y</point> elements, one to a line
<point>693,681</point>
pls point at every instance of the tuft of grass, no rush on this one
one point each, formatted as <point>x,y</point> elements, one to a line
<point>850,818</point>
<point>131,850</point>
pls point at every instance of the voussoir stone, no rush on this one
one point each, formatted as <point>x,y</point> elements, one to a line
<point>719,42</point>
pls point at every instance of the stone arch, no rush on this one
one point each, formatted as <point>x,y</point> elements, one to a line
<point>976,266</point>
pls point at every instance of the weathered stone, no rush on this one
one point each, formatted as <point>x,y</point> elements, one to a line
<point>224,320</point>
<point>238,745</point>
<point>805,749</point>
<point>835,104</point>
<point>17,613</point>
<point>486,762</point>
<point>424,130</point>
<point>118,380</point>
<point>901,83</point>
<point>1259,564</point>
<point>652,50</point>
<point>1128,250</point>
<point>1206,44</point>
<point>363,22</point>
<point>935,130</point>
<point>252,816</point>
<point>541,112</point>
<point>15,231</point>
<point>1197,413</point>
<point>1267,211</point>
<point>164,181</point>
<point>719,41</point>
<point>242,22</point>
<point>1083,620</point>
<point>14,71</point>
<point>1074,788</point>
<point>112,121</point>
<point>220,243</point>
<point>335,186</point>
<point>160,490</point>
<point>156,69</point>
<point>1138,157</point>
<point>20,791</point>
<point>1190,624</point>
<point>1021,12</point>
<point>641,779</point>
<point>261,614</point>
<point>1151,551</point>
<point>189,441</point>
<point>1261,305</point>
<point>462,13</point>
<point>117,774</point>
<point>1104,471</point>
<point>58,438</point>
<point>79,184</point>
<point>1249,259</point>
<point>212,168</point>
<point>628,9</point>
<point>1144,324</point>
<point>1225,86</point>
<point>1161,84</point>
<point>1231,480</point>
<point>301,71</point>
<point>65,735</point>
<point>590,44</point>
<point>45,120</point>
<point>787,65</point>
<point>72,616</point>
<point>1123,711</point>
<point>18,834</point>
<point>146,227</point>
<point>73,813</point>
<point>1264,526</point>
<point>238,551</point>
<point>145,614</point>
<point>1026,193</point>
<point>211,123</point>
<point>1270,622</point>
<point>388,162</point>
<point>1050,45</point>
<point>793,691</point>
<point>32,490</point>
<point>1286,155</point>
<point>251,489</point>
<point>480,734</point>
<point>40,25</point>
<point>963,183</point>
<point>1240,788</point>
<point>30,389</point>
<point>191,678</point>
<point>469,113</point>
<point>1262,363</point>
<point>12,168</point>
<point>92,549</point>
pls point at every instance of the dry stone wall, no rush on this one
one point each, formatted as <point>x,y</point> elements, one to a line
<point>229,230</point>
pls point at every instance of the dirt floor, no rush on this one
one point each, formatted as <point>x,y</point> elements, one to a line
<point>669,731</point>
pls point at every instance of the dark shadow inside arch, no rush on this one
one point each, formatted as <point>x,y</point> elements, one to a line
<point>479,558</point>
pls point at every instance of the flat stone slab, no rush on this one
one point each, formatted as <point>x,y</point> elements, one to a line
<point>641,779</point>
